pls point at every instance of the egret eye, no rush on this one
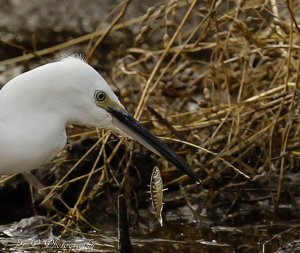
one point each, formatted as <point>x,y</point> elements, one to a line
<point>100,96</point>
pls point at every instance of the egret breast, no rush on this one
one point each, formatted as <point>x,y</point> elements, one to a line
<point>29,144</point>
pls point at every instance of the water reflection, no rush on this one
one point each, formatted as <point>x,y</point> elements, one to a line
<point>175,236</point>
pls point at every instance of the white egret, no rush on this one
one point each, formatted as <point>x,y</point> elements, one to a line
<point>36,106</point>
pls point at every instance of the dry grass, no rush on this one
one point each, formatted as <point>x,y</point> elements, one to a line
<point>217,80</point>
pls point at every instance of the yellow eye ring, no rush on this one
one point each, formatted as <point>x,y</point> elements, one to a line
<point>100,96</point>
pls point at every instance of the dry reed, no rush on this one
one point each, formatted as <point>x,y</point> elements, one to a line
<point>217,80</point>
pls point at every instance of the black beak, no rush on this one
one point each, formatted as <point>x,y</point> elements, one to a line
<point>125,122</point>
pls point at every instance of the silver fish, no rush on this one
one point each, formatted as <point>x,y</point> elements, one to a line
<point>156,191</point>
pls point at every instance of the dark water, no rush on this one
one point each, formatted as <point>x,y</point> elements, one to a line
<point>175,236</point>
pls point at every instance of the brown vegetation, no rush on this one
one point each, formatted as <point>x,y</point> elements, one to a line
<point>217,80</point>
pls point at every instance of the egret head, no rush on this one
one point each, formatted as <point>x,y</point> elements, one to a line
<point>112,114</point>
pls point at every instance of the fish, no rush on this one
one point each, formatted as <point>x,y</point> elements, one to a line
<point>156,191</point>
